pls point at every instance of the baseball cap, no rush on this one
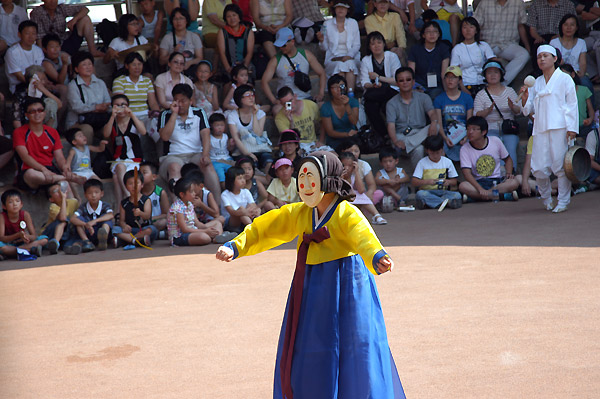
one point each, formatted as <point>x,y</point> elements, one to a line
<point>281,162</point>
<point>288,136</point>
<point>454,70</point>
<point>283,36</point>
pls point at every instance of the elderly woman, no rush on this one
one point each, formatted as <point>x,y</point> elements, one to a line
<point>339,115</point>
<point>235,41</point>
<point>270,16</point>
<point>341,43</point>
<point>181,40</point>
<point>166,81</point>
<point>505,99</point>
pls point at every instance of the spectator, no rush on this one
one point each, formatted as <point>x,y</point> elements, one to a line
<point>220,146</point>
<point>289,146</point>
<point>151,21</point>
<point>470,54</point>
<point>79,157</point>
<point>502,25</point>
<point>180,40</point>
<point>377,78</point>
<point>302,115</point>
<point>237,204</point>
<point>406,9</point>
<point>88,97</point>
<point>206,95</point>
<point>22,55</point>
<point>204,202</point>
<point>430,15</point>
<point>406,115</point>
<point>235,40</point>
<point>480,161</point>
<point>191,7</point>
<point>338,127</point>
<point>502,97</point>
<point>366,173</point>
<point>309,9</point>
<point>134,226</point>
<point>11,16</point>
<point>12,234</point>
<point>158,196</point>
<point>429,59</point>
<point>93,220</point>
<point>57,227</point>
<point>51,17</point>
<point>435,176</point>
<point>543,17</point>
<point>38,147</point>
<point>56,64</point>
<point>213,20</point>
<point>283,189</point>
<point>447,10</point>
<point>389,24</point>
<point>123,130</point>
<point>240,75</point>
<point>573,49</point>
<point>341,41</point>
<point>584,102</point>
<point>129,31</point>
<point>246,125</point>
<point>36,85</point>
<point>186,138</point>
<point>244,5</point>
<point>166,81</point>
<point>284,66</point>
<point>453,108</point>
<point>270,16</point>
<point>391,178</point>
<point>592,145</point>
<point>255,186</point>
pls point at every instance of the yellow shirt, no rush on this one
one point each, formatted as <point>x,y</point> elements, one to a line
<point>54,210</point>
<point>305,122</point>
<point>350,232</point>
<point>212,7</point>
<point>390,26</point>
<point>287,194</point>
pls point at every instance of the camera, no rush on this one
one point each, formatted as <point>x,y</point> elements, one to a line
<point>343,88</point>
<point>407,130</point>
<point>288,106</point>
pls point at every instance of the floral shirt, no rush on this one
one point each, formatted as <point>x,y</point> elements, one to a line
<point>188,212</point>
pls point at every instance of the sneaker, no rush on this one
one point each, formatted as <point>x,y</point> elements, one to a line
<point>102,239</point>
<point>74,249</point>
<point>87,246</point>
<point>559,209</point>
<point>443,205</point>
<point>421,204</point>
<point>548,204</point>
<point>580,190</point>
<point>162,235</point>
<point>224,237</point>
<point>377,219</point>
<point>515,195</point>
<point>455,204</point>
<point>510,196</point>
<point>128,247</point>
<point>53,246</point>
<point>37,251</point>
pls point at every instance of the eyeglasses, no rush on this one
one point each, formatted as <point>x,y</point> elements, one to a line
<point>248,94</point>
<point>36,111</point>
<point>427,31</point>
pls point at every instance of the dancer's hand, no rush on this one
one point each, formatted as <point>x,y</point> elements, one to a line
<point>225,254</point>
<point>385,264</point>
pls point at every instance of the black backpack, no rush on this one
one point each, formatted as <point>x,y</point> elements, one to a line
<point>107,31</point>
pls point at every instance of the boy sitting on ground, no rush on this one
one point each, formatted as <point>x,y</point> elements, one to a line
<point>16,227</point>
<point>57,227</point>
<point>434,176</point>
<point>158,196</point>
<point>391,179</point>
<point>94,219</point>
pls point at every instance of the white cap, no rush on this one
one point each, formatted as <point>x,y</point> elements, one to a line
<point>546,48</point>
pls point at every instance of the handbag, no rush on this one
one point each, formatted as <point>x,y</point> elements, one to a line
<point>301,80</point>
<point>509,126</point>
<point>369,141</point>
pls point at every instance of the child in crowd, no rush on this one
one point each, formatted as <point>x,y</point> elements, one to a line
<point>434,176</point>
<point>392,179</point>
<point>237,204</point>
<point>289,147</point>
<point>158,197</point>
<point>353,174</point>
<point>351,145</point>
<point>151,22</point>
<point>16,227</point>
<point>205,205</point>
<point>282,189</point>
<point>480,160</point>
<point>57,227</point>
<point>94,219</point>
<point>256,187</point>
<point>206,95</point>
<point>135,215</point>
<point>239,76</point>
<point>79,157</point>
<point>584,102</point>
<point>184,227</point>
<point>56,64</point>
<point>220,145</point>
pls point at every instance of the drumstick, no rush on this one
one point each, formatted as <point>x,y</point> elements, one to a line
<point>529,82</point>
<point>134,195</point>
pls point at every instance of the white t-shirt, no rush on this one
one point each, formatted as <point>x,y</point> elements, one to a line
<point>218,148</point>
<point>470,58</point>
<point>9,24</point>
<point>234,119</point>
<point>427,169</point>
<point>364,167</point>
<point>235,201</point>
<point>119,45</point>
<point>571,55</point>
<point>590,143</point>
<point>18,60</point>
<point>186,134</point>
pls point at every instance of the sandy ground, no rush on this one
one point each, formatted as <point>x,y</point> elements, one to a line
<point>488,301</point>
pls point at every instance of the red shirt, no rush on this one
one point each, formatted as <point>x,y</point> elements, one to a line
<point>40,148</point>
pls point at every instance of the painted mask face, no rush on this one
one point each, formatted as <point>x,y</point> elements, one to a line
<point>309,184</point>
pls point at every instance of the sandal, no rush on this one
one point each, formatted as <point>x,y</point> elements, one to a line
<point>377,219</point>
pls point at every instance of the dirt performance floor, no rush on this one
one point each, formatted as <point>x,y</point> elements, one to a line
<point>488,301</point>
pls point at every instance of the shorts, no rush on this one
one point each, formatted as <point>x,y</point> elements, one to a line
<point>487,183</point>
<point>221,168</point>
<point>51,228</point>
<point>264,158</point>
<point>182,241</point>
<point>135,230</point>
<point>72,43</point>
<point>23,186</point>
<point>445,15</point>
<point>129,165</point>
<point>87,173</point>
<point>180,159</point>
<point>263,36</point>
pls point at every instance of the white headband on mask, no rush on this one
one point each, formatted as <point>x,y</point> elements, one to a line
<point>545,48</point>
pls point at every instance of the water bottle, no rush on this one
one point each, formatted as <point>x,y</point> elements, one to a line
<point>470,10</point>
<point>495,192</point>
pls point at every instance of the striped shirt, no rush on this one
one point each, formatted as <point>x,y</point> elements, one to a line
<point>136,92</point>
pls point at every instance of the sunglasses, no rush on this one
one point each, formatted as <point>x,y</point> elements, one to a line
<point>36,111</point>
<point>248,94</point>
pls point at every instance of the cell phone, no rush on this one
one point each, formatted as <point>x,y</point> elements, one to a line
<point>343,88</point>
<point>288,106</point>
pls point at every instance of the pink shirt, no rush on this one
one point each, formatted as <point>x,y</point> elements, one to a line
<point>485,162</point>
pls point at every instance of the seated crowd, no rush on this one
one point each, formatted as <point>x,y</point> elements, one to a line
<point>172,115</point>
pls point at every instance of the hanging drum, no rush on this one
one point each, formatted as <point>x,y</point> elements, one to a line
<point>578,164</point>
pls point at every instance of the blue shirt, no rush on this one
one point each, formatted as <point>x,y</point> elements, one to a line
<point>453,110</point>
<point>339,125</point>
